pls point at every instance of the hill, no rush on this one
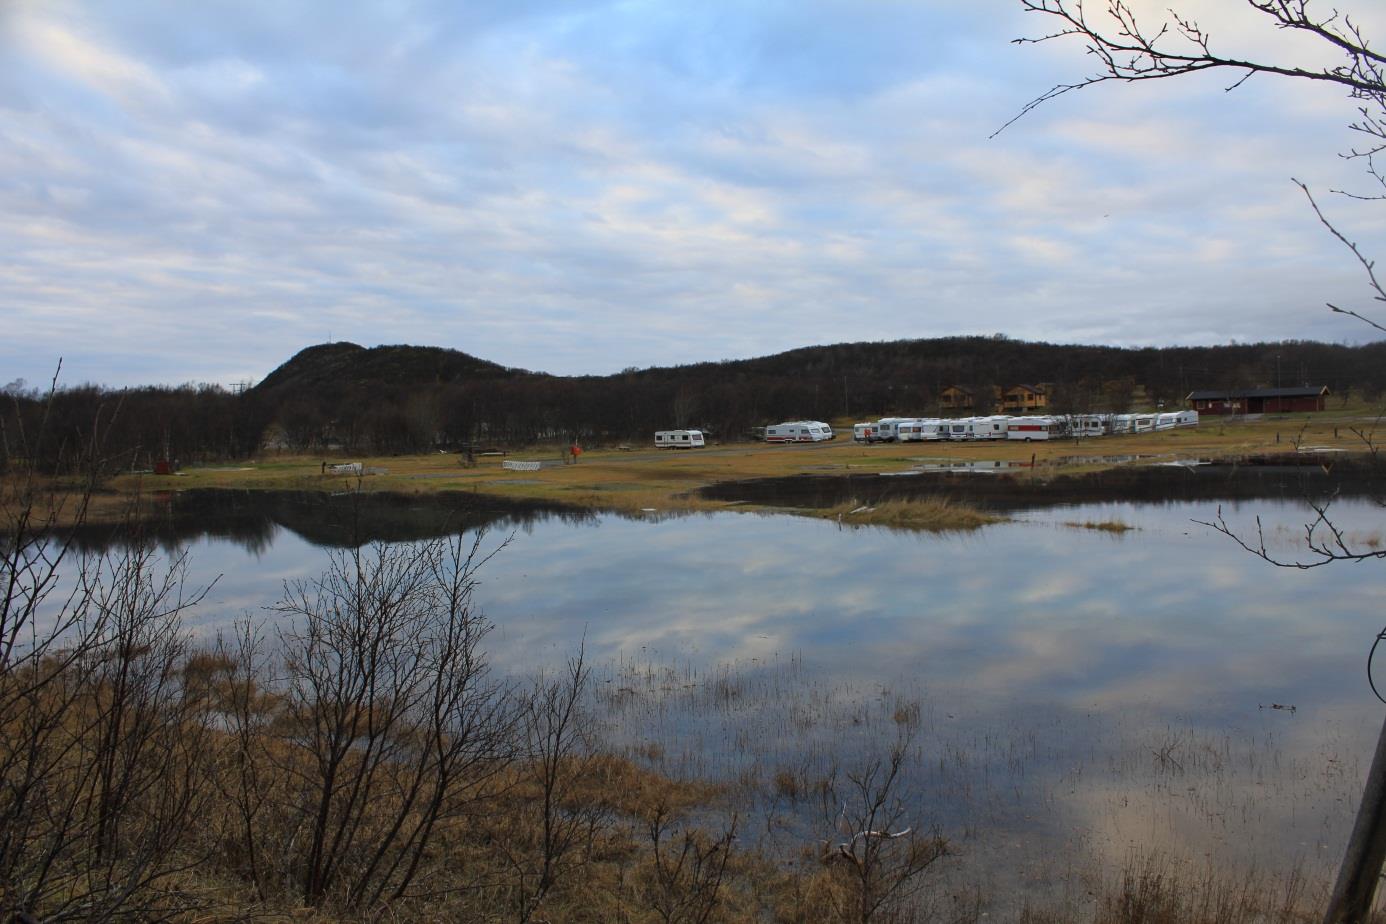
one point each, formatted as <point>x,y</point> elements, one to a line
<point>335,365</point>
<point>406,398</point>
<point>398,398</point>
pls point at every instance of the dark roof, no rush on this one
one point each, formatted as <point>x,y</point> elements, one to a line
<point>1306,391</point>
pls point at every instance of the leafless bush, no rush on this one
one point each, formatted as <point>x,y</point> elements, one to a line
<point>381,725</point>
<point>101,733</point>
<point>102,756</point>
<point>555,801</point>
<point>683,880</point>
<point>881,862</point>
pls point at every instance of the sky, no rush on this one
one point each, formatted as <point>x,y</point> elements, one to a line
<point>193,192</point>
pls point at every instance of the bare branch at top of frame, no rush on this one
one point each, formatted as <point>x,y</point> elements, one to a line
<point>1128,50</point>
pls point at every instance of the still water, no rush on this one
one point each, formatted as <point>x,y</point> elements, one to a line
<point>1071,697</point>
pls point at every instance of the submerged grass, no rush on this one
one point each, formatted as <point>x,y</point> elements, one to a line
<point>1051,818</point>
<point>1106,526</point>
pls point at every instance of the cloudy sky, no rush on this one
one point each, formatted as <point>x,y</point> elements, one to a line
<point>195,191</point>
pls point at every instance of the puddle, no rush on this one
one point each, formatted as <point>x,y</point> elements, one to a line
<point>966,465</point>
<point>1016,486</point>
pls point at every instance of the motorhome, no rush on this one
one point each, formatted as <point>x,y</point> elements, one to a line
<point>679,439</point>
<point>1029,428</point>
<point>799,431</point>
<point>918,430</point>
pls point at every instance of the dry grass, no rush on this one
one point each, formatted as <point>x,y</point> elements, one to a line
<point>934,514</point>
<point>609,479</point>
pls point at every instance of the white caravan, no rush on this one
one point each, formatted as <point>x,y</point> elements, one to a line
<point>887,429</point>
<point>1029,428</point>
<point>919,430</point>
<point>956,428</point>
<point>1167,421</point>
<point>1133,423</point>
<point>974,428</point>
<point>864,432</point>
<point>991,428</point>
<point>1186,419</point>
<point>1090,424</point>
<point>799,431</point>
<point>679,439</point>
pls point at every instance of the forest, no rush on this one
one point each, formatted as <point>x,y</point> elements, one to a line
<point>406,399</point>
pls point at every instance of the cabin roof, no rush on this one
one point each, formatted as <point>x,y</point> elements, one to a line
<point>1304,391</point>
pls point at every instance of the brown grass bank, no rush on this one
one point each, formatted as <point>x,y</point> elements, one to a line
<point>641,477</point>
<point>931,514</point>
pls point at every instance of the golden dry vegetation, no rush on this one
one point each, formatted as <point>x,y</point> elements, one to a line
<point>640,477</point>
<point>933,514</point>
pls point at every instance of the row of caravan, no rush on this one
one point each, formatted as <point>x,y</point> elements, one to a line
<point>923,429</point>
<point>1003,427</point>
<point>794,431</point>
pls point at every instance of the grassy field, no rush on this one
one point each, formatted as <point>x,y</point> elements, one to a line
<point>610,478</point>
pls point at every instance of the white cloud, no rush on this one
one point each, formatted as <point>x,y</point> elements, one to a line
<point>676,184</point>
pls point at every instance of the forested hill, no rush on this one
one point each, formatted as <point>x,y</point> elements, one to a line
<point>401,398</point>
<point>921,368</point>
<point>330,365</point>
<point>412,399</point>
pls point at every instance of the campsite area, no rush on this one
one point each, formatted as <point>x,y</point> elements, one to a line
<point>633,478</point>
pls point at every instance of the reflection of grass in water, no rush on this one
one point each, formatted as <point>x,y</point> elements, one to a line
<point>1106,526</point>
<point>937,514</point>
<point>1042,804</point>
<point>1293,537</point>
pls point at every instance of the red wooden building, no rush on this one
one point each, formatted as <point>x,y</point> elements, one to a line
<point>1259,400</point>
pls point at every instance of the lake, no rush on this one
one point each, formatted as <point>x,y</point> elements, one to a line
<point>1071,697</point>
